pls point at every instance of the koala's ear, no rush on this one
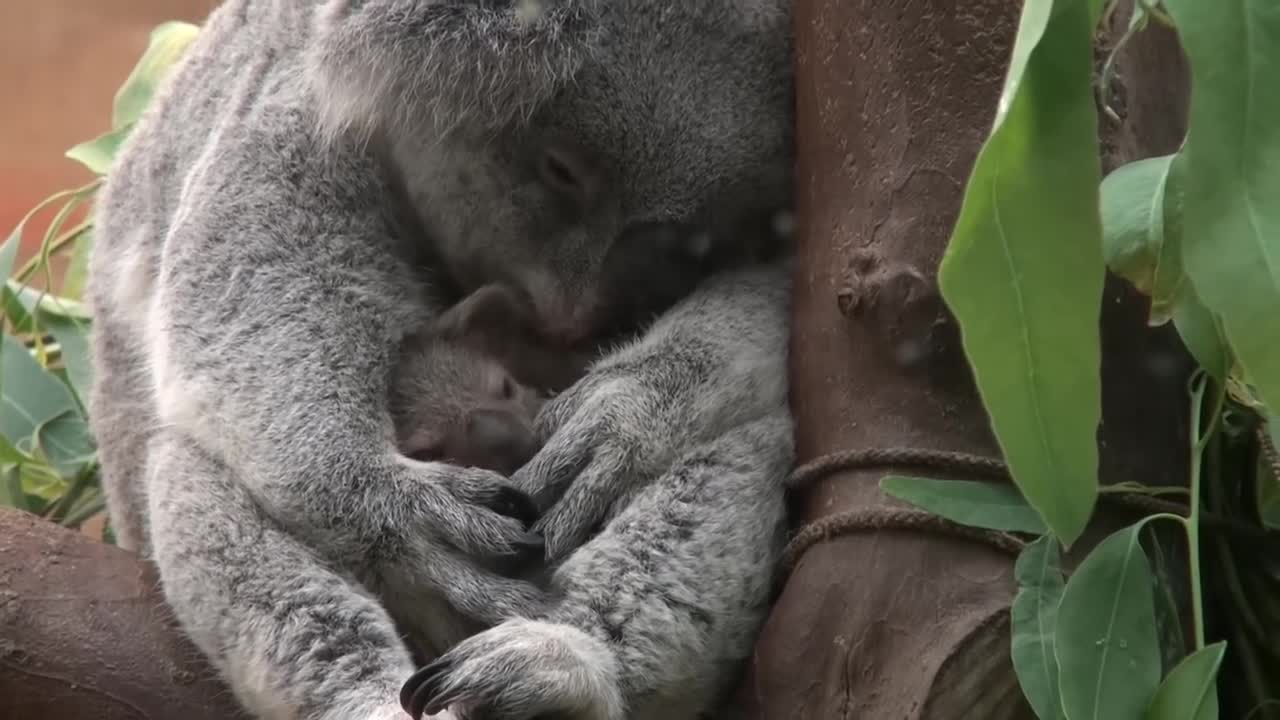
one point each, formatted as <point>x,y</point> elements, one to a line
<point>493,310</point>
<point>397,64</point>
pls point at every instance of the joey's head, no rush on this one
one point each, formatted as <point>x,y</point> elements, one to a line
<point>452,404</point>
<point>532,138</point>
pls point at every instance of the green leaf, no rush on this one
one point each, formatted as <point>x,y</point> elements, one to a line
<point>98,153</point>
<point>1023,272</point>
<point>42,481</point>
<point>1190,692</point>
<point>1034,615</point>
<point>16,312</point>
<point>979,504</point>
<point>1231,247</point>
<point>166,46</point>
<point>73,339</point>
<point>37,300</point>
<point>10,455</point>
<point>39,411</point>
<point>1201,333</point>
<point>1105,641</point>
<point>1132,202</point>
<point>11,493</point>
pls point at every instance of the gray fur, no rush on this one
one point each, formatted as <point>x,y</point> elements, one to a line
<point>652,616</point>
<point>453,404</point>
<point>265,243</point>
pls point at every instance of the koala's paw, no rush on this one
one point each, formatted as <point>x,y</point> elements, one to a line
<point>473,510</point>
<point>601,441</point>
<point>519,670</point>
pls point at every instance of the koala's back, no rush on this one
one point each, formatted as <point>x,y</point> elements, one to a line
<point>207,105</point>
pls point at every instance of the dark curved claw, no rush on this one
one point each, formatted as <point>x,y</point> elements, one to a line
<point>419,693</point>
<point>515,504</point>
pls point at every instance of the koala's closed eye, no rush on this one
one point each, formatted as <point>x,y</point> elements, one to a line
<point>571,175</point>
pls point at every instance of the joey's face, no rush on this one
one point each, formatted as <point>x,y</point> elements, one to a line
<point>676,131</point>
<point>453,405</point>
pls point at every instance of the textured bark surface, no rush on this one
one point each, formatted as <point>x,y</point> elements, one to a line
<point>894,100</point>
<point>84,633</point>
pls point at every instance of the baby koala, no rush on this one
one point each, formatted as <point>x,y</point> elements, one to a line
<point>453,404</point>
<point>467,389</point>
<point>462,390</point>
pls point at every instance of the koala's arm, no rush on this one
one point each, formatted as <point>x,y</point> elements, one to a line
<point>279,304</point>
<point>292,637</point>
<point>447,61</point>
<point>655,614</point>
<point>714,361</point>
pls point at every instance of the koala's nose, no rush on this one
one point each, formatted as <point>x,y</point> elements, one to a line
<point>650,267</point>
<point>498,440</point>
<point>658,241</point>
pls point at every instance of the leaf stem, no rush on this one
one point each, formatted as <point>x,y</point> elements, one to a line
<point>1199,440</point>
<point>34,263</point>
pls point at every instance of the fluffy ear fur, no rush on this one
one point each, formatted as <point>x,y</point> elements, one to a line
<point>416,63</point>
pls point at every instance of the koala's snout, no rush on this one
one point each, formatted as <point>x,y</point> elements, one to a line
<point>669,259</point>
<point>496,440</point>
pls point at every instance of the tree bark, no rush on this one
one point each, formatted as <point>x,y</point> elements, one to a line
<point>894,101</point>
<point>84,633</point>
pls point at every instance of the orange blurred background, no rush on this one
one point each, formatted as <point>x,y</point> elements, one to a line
<point>61,62</point>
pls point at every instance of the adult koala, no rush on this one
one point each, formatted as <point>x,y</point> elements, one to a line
<point>310,183</point>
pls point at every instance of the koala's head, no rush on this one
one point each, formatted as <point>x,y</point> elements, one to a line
<point>452,404</point>
<point>533,138</point>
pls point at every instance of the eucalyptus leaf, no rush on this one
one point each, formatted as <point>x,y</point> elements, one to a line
<point>166,46</point>
<point>33,300</point>
<point>98,153</point>
<point>1033,616</point>
<point>39,410</point>
<point>1106,641</point>
<point>42,482</point>
<point>1231,243</point>
<point>11,456</point>
<point>1170,286</point>
<point>1190,690</point>
<point>1201,333</point>
<point>1023,272</point>
<point>1132,202</point>
<point>73,339</point>
<point>11,493</point>
<point>16,312</point>
<point>978,504</point>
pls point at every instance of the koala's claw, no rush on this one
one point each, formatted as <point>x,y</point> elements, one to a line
<point>420,694</point>
<point>531,548</point>
<point>519,670</point>
<point>515,504</point>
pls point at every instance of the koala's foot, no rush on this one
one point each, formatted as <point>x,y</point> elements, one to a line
<point>519,670</point>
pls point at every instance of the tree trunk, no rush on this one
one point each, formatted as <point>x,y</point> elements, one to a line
<point>894,100</point>
<point>883,618</point>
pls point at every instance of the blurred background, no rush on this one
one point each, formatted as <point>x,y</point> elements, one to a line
<point>61,62</point>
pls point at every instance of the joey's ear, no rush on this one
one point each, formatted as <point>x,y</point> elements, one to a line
<point>492,310</point>
<point>404,64</point>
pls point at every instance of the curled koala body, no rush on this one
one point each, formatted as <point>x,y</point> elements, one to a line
<point>667,521</point>
<point>312,178</point>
